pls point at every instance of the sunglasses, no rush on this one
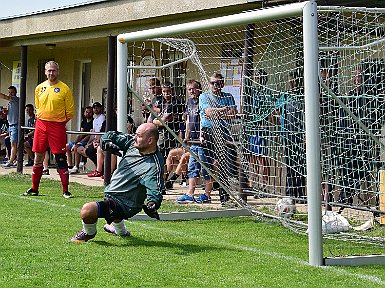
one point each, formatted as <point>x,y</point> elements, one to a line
<point>216,83</point>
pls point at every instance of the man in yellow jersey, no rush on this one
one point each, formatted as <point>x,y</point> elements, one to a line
<point>54,108</point>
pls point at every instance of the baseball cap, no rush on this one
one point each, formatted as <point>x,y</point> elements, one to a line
<point>97,104</point>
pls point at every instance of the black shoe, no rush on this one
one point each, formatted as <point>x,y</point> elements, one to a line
<point>216,185</point>
<point>223,196</point>
<point>45,172</point>
<point>168,185</point>
<point>30,192</point>
<point>67,195</point>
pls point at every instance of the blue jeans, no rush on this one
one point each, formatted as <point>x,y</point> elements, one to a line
<point>194,166</point>
<point>13,133</point>
<point>71,144</point>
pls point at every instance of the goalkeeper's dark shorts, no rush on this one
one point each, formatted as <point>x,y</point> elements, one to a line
<point>111,210</point>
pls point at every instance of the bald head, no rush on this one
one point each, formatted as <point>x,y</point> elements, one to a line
<point>146,138</point>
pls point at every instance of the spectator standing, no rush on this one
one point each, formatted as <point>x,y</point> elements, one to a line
<point>216,108</point>
<point>193,133</point>
<point>54,108</point>
<point>293,132</point>
<point>13,119</point>
<point>358,155</point>
<point>261,116</point>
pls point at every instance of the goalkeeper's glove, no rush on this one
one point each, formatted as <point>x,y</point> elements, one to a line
<point>150,210</point>
<point>111,147</point>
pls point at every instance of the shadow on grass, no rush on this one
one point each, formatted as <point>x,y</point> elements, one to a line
<point>180,248</point>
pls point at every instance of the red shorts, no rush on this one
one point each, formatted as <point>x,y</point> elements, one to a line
<point>52,133</point>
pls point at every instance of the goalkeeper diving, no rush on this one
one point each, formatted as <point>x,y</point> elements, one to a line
<point>135,185</point>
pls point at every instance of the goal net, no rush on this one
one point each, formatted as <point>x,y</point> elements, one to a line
<point>257,154</point>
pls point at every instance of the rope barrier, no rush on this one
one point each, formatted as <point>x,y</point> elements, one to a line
<point>69,132</point>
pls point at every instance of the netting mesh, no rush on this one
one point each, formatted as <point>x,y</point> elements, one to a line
<point>256,146</point>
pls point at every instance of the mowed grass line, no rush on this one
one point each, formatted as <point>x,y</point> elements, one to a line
<point>235,252</point>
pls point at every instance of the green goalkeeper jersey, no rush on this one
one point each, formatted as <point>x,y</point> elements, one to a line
<point>137,178</point>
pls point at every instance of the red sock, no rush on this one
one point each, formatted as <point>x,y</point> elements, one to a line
<point>65,178</point>
<point>37,172</point>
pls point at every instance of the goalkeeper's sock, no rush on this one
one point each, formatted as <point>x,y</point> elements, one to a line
<point>90,229</point>
<point>120,228</point>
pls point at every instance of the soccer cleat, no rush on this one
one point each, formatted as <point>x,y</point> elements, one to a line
<point>67,195</point>
<point>30,192</point>
<point>203,198</point>
<point>95,174</point>
<point>185,199</point>
<point>109,228</point>
<point>82,236</point>
<point>73,170</point>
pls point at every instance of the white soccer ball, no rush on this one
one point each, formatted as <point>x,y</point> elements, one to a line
<point>286,207</point>
<point>333,222</point>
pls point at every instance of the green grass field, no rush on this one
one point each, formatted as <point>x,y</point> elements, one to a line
<point>231,252</point>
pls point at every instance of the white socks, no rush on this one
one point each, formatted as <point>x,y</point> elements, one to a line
<point>90,229</point>
<point>120,228</point>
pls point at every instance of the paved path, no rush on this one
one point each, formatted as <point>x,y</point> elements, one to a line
<point>82,178</point>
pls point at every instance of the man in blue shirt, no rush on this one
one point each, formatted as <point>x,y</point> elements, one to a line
<point>216,108</point>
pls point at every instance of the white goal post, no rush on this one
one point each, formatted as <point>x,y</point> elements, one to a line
<point>308,11</point>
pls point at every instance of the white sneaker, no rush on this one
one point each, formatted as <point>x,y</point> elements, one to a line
<point>9,164</point>
<point>109,228</point>
<point>74,170</point>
